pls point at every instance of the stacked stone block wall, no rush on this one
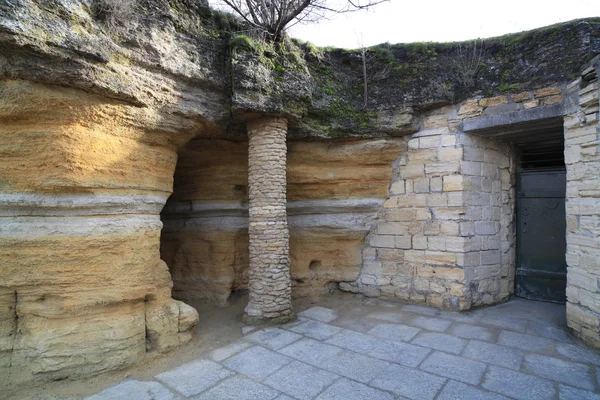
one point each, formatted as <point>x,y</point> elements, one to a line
<point>446,236</point>
<point>415,251</point>
<point>582,158</point>
<point>488,171</point>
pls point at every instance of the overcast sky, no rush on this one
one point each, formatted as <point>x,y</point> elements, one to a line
<point>401,21</point>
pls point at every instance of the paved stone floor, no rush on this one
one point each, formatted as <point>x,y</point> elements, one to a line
<point>378,350</point>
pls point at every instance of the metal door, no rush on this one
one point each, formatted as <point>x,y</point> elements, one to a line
<point>541,235</point>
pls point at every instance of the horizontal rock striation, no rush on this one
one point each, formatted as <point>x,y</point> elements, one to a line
<point>334,192</point>
<point>95,114</point>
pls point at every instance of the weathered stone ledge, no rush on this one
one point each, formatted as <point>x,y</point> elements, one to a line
<point>84,204</point>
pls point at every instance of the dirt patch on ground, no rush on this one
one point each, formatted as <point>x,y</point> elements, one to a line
<point>217,328</point>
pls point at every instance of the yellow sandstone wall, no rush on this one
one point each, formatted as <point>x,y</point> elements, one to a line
<point>82,182</point>
<point>334,191</point>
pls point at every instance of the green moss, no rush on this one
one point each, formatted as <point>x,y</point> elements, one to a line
<point>242,42</point>
<point>508,87</point>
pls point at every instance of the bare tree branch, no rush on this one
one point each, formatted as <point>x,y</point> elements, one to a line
<point>274,16</point>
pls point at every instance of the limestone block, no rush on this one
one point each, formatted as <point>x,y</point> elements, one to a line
<point>392,228</point>
<point>521,97</point>
<point>382,241</point>
<point>435,184</point>
<point>493,101</point>
<point>436,243</point>
<point>454,183</point>
<point>449,213</point>
<point>437,169</point>
<point>549,91</point>
<point>419,242</point>
<point>423,156</point>
<point>403,242</point>
<point>163,325</point>
<point>440,258</point>
<point>469,108</point>
<point>552,100</point>
<point>450,228</point>
<point>390,255</point>
<point>486,228</point>
<point>423,214</point>
<point>411,171</point>
<point>448,140</point>
<point>431,228</point>
<point>397,188</point>
<point>394,215</point>
<point>473,154</point>
<point>531,104</point>
<point>429,142</point>
<point>437,200</point>
<point>421,185</point>
<point>188,317</point>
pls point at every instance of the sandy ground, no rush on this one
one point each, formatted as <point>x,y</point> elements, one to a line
<point>217,328</point>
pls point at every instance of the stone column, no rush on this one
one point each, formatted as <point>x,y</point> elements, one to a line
<point>269,273</point>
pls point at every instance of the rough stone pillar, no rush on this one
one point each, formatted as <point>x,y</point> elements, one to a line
<point>269,274</point>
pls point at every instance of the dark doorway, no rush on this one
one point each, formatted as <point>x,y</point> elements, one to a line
<point>541,222</point>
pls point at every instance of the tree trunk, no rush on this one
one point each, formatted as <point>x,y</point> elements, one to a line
<point>269,273</point>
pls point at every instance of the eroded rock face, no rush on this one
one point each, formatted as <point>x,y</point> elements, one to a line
<point>92,121</point>
<point>334,192</point>
<point>82,187</point>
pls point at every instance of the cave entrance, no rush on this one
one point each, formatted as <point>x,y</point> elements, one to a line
<point>204,240</point>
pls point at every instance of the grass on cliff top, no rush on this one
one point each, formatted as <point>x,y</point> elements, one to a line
<point>430,47</point>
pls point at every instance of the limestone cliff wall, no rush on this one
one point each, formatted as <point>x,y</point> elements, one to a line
<point>82,187</point>
<point>334,192</point>
<point>94,116</point>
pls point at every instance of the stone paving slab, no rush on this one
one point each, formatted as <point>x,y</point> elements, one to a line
<point>505,322</point>
<point>467,331</point>
<point>224,353</point>
<point>502,356</point>
<point>440,341</point>
<point>526,342</point>
<point>354,352</point>
<point>355,366</point>
<point>316,330</point>
<point>135,390</point>
<point>389,316</point>
<point>409,382</point>
<point>345,389</point>
<point>301,381</point>
<point>549,332</point>
<point>320,314</point>
<point>195,377</point>
<point>403,333</point>
<point>574,374</point>
<point>358,324</point>
<point>454,367</point>
<point>421,310</point>
<point>398,352</point>
<point>257,362</point>
<point>518,385</point>
<point>273,338</point>
<point>239,388</point>
<point>569,393</point>
<point>311,351</point>
<point>429,323</point>
<point>578,353</point>
<point>460,391</point>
